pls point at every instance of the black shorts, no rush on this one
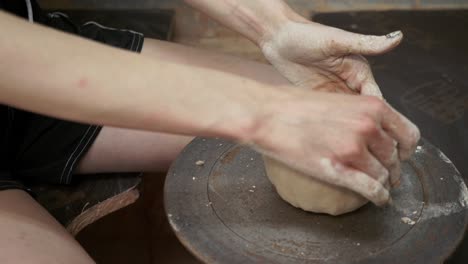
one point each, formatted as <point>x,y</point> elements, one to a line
<point>40,149</point>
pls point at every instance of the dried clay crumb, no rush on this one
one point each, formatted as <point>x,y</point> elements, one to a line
<point>408,221</point>
<point>200,163</point>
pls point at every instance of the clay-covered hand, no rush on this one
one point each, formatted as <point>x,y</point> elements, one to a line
<point>305,52</point>
<point>343,146</point>
<point>324,58</point>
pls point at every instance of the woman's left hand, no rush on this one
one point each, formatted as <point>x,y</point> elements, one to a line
<point>308,54</point>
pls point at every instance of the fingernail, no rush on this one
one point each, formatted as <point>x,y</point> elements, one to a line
<point>396,184</point>
<point>405,154</point>
<point>387,185</point>
<point>393,34</point>
<point>385,198</point>
<point>394,178</point>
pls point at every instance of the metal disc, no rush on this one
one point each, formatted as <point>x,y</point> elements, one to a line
<point>223,208</point>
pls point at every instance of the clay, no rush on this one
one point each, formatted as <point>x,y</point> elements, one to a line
<point>309,194</point>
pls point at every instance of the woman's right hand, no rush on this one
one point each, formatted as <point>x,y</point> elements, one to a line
<point>344,140</point>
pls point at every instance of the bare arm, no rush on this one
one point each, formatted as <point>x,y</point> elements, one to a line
<point>255,19</point>
<point>302,50</point>
<point>54,73</point>
<point>309,54</point>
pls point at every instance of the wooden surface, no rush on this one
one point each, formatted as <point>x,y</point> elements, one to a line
<point>93,197</point>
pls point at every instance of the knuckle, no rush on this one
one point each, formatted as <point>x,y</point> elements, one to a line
<point>378,193</point>
<point>413,138</point>
<point>376,104</point>
<point>361,62</point>
<point>336,160</point>
<point>367,127</point>
<point>351,152</point>
<point>334,46</point>
<point>388,156</point>
<point>364,60</point>
<point>383,176</point>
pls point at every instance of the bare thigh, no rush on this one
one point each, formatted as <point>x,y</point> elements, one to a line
<point>127,150</point>
<point>29,234</point>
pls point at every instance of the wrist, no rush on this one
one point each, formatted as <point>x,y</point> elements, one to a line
<point>277,21</point>
<point>249,122</point>
<point>267,17</point>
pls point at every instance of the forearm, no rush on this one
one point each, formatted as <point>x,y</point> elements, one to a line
<point>53,73</point>
<point>255,19</point>
<point>195,57</point>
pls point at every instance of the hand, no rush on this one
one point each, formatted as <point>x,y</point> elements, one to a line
<point>306,53</point>
<point>347,146</point>
<point>323,58</point>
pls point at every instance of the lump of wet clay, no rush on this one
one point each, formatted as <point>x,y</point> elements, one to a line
<point>311,195</point>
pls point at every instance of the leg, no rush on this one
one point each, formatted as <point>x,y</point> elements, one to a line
<point>30,235</point>
<point>127,150</point>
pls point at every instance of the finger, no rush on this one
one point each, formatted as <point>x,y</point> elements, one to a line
<point>383,147</point>
<point>355,180</point>
<point>395,173</point>
<point>368,164</point>
<point>371,88</point>
<point>358,75</point>
<point>392,162</point>
<point>402,130</point>
<point>353,43</point>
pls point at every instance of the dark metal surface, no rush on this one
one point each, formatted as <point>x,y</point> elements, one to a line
<point>425,77</point>
<point>226,211</point>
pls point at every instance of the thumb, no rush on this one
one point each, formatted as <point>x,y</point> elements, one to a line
<point>353,43</point>
<point>372,89</point>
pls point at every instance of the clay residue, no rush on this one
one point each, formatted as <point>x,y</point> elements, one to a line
<point>446,209</point>
<point>463,196</point>
<point>408,221</point>
<point>419,149</point>
<point>435,210</point>
<point>443,157</point>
